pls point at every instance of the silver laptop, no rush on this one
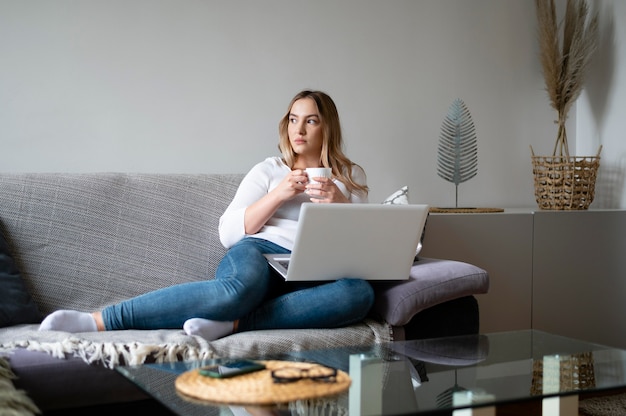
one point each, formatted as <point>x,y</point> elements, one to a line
<point>366,241</point>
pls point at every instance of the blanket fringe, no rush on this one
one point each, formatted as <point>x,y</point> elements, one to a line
<point>111,355</point>
<point>317,407</point>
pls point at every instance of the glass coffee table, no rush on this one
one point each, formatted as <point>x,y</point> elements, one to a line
<point>466,375</point>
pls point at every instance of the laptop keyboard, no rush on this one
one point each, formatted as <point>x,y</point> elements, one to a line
<point>284,263</point>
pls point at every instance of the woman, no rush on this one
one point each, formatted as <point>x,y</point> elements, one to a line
<point>246,294</point>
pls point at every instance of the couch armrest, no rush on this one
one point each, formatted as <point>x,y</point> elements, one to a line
<point>431,282</point>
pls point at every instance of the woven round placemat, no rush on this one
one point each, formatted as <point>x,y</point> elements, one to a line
<point>465,210</point>
<point>258,388</point>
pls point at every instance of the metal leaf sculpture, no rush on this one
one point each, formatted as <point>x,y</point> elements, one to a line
<point>457,159</point>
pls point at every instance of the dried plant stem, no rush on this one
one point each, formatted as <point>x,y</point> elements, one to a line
<point>565,60</point>
<point>560,146</point>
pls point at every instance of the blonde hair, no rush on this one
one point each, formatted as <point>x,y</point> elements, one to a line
<point>332,155</point>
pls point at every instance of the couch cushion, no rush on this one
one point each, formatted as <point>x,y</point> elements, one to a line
<point>16,306</point>
<point>84,241</point>
<point>431,282</point>
<point>400,197</point>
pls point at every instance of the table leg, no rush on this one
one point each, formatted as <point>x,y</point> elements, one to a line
<point>478,411</point>
<point>468,397</point>
<point>560,406</point>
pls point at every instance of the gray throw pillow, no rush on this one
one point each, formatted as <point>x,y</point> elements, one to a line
<point>431,282</point>
<point>16,304</point>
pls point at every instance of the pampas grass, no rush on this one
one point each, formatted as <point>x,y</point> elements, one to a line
<point>565,59</point>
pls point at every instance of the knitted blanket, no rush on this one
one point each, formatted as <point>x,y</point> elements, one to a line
<point>133,347</point>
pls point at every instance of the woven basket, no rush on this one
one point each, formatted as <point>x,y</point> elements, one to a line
<point>565,183</point>
<point>571,373</point>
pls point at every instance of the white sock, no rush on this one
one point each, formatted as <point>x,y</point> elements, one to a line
<point>69,321</point>
<point>208,329</point>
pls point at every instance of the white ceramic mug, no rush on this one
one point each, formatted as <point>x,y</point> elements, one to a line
<point>318,173</point>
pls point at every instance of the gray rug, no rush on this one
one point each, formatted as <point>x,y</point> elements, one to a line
<point>603,406</point>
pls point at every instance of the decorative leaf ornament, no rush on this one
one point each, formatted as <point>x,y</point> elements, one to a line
<point>457,158</point>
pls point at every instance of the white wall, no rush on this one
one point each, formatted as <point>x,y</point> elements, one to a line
<point>602,107</point>
<point>199,86</point>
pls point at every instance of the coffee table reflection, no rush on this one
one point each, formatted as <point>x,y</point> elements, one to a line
<point>466,375</point>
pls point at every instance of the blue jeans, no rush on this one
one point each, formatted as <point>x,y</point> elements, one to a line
<point>245,288</point>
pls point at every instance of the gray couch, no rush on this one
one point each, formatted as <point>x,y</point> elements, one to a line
<point>83,241</point>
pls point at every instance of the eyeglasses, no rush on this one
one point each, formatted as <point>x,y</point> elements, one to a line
<point>315,372</point>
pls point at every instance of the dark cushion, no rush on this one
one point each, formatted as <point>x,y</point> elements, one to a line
<point>431,282</point>
<point>61,384</point>
<point>16,305</point>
